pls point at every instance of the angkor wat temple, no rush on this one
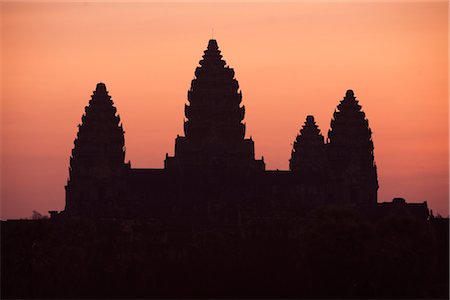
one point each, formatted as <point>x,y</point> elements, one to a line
<point>215,224</point>
<point>213,174</point>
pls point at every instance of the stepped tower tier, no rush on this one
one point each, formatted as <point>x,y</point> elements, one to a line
<point>214,132</point>
<point>308,156</point>
<point>97,160</point>
<point>350,153</point>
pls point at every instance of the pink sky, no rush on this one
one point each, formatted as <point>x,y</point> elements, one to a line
<point>291,60</point>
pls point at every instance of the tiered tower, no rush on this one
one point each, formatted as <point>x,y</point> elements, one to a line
<point>214,132</point>
<point>308,157</point>
<point>350,153</point>
<point>97,163</point>
<point>308,163</point>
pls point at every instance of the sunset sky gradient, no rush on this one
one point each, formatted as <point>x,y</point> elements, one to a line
<point>291,60</point>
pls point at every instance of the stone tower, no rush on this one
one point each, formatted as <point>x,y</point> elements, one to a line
<point>308,157</point>
<point>350,153</point>
<point>97,164</point>
<point>214,133</point>
<point>308,162</point>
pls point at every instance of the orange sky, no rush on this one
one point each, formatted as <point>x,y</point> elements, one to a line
<point>291,60</point>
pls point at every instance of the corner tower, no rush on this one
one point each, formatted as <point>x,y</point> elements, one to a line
<point>214,132</point>
<point>97,161</point>
<point>308,157</point>
<point>350,153</point>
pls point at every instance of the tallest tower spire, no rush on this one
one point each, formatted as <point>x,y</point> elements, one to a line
<point>214,110</point>
<point>214,132</point>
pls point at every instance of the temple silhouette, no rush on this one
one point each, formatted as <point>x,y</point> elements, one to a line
<point>213,174</point>
<point>214,223</point>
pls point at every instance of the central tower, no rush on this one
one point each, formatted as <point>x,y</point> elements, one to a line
<point>214,133</point>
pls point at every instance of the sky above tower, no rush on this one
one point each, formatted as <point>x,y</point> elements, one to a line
<point>291,59</point>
